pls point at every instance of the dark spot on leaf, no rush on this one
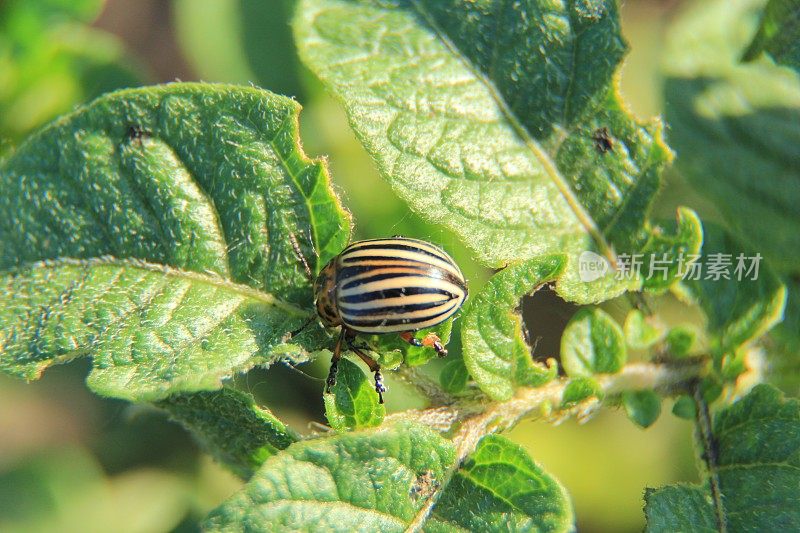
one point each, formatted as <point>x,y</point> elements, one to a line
<point>136,133</point>
<point>424,486</point>
<point>602,140</point>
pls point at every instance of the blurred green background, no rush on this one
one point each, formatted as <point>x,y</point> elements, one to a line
<point>70,461</point>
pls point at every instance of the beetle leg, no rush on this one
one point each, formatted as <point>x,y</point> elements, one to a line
<point>337,354</point>
<point>410,338</point>
<point>373,365</point>
<point>431,340</point>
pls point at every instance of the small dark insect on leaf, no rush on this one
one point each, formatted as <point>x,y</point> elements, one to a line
<point>602,140</point>
<point>424,486</point>
<point>136,133</point>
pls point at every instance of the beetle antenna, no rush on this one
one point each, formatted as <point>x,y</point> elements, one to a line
<point>299,253</point>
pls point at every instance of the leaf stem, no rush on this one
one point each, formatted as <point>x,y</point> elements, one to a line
<point>709,455</point>
<point>472,420</point>
<point>428,387</point>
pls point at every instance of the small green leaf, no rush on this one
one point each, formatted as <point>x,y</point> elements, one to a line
<point>738,311</point>
<point>391,349</point>
<point>680,340</point>
<point>592,343</point>
<point>426,84</point>
<point>353,402</point>
<point>784,357</point>
<point>579,390</point>
<point>711,388</point>
<point>677,242</point>
<point>496,353</point>
<point>371,480</point>
<point>684,407</point>
<point>500,488</point>
<point>732,121</point>
<point>779,33</point>
<point>454,375</point>
<point>642,332</point>
<point>643,406</point>
<point>197,211</point>
<point>230,426</point>
<point>756,469</point>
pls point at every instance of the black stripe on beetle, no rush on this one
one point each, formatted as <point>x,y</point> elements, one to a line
<point>395,285</point>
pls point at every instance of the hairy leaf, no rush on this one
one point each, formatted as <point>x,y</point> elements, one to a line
<point>642,331</point>
<point>580,389</point>
<point>737,127</point>
<point>454,375</point>
<point>680,340</point>
<point>340,483</point>
<point>205,183</point>
<point>149,329</point>
<point>371,480</point>
<point>230,426</point>
<point>353,402</point>
<point>592,343</point>
<point>642,406</point>
<point>756,470</point>
<point>779,33</point>
<point>499,121</point>
<point>500,488</point>
<point>496,353</point>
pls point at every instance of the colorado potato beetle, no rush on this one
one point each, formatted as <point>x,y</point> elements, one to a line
<point>397,285</point>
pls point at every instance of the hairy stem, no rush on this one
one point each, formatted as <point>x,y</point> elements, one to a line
<point>413,377</point>
<point>471,421</point>
<point>709,455</point>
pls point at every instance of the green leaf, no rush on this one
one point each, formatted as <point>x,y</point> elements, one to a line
<point>230,426</point>
<point>391,350</point>
<point>353,402</point>
<point>208,196</point>
<point>757,472</point>
<point>149,329</point>
<point>784,355</point>
<point>340,483</point>
<point>454,375</point>
<point>684,407</point>
<point>579,390</point>
<point>779,33</point>
<point>642,332</point>
<point>371,480</point>
<point>680,340</point>
<point>643,406</point>
<point>500,488</point>
<point>484,119</point>
<point>592,343</point>
<point>732,121</point>
<point>738,311</point>
<point>496,353</point>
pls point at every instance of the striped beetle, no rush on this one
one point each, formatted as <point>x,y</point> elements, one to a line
<point>397,285</point>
